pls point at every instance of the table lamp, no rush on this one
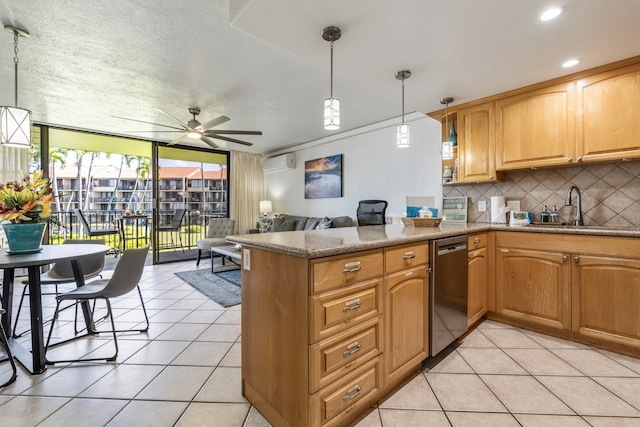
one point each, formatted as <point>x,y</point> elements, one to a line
<point>265,207</point>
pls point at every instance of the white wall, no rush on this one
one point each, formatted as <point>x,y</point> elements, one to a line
<point>373,168</point>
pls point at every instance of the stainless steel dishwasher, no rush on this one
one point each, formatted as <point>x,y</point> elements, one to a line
<point>448,302</point>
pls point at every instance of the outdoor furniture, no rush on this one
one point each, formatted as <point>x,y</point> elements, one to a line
<point>219,229</point>
<point>138,227</point>
<point>125,278</point>
<point>174,226</point>
<point>95,232</point>
<point>229,252</point>
<point>5,343</point>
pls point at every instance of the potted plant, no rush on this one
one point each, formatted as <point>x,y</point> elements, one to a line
<point>25,209</point>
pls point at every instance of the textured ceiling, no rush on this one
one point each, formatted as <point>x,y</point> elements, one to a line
<point>264,64</point>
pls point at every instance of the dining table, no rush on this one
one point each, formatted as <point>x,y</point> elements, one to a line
<point>34,359</point>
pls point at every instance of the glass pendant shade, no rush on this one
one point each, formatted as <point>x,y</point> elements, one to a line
<point>15,127</point>
<point>447,150</point>
<point>331,114</point>
<point>453,137</point>
<point>402,136</point>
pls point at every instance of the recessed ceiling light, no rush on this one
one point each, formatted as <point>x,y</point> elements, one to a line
<point>570,63</point>
<point>550,14</point>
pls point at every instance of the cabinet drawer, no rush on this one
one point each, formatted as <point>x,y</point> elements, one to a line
<point>345,270</point>
<point>336,311</point>
<point>476,241</point>
<point>399,258</point>
<point>334,404</point>
<point>336,356</point>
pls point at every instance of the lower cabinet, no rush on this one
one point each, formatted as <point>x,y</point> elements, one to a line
<point>405,305</point>
<point>478,276</point>
<point>606,298</point>
<point>588,287</point>
<point>533,286</point>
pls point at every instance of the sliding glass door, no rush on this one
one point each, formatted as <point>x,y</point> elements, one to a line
<point>190,189</point>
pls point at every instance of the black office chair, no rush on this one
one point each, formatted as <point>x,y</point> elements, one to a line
<point>173,227</point>
<point>97,232</point>
<point>371,212</point>
<point>125,278</point>
<point>5,344</point>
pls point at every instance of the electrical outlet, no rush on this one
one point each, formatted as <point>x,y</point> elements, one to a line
<point>513,205</point>
<point>246,259</point>
<point>482,205</point>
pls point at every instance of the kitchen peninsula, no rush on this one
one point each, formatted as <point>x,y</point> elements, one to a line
<point>334,320</point>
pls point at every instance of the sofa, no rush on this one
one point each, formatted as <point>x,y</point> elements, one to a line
<point>285,222</point>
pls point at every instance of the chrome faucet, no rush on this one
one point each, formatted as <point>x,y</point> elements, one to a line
<point>578,219</point>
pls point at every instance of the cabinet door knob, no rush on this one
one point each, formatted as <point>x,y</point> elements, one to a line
<point>576,258</point>
<point>569,159</point>
<point>491,177</point>
<point>580,158</point>
<point>564,258</point>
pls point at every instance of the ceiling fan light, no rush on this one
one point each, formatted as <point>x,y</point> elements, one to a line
<point>331,114</point>
<point>403,137</point>
<point>194,135</point>
<point>15,127</point>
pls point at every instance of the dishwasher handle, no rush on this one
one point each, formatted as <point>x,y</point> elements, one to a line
<point>454,247</point>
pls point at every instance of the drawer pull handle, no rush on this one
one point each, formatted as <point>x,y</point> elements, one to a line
<point>353,392</point>
<point>476,240</point>
<point>354,304</point>
<point>409,255</point>
<point>351,270</point>
<point>357,348</point>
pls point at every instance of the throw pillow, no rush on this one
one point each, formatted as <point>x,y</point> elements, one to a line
<point>311,224</point>
<point>283,224</point>
<point>324,223</point>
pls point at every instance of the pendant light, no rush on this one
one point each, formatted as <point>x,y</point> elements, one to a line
<point>402,130</point>
<point>15,123</point>
<point>331,104</point>
<point>447,146</point>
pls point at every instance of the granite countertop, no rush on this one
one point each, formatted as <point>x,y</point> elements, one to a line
<point>335,241</point>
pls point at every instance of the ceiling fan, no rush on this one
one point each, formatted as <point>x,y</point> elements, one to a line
<point>202,131</point>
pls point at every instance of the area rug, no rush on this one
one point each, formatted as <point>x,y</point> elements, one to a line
<point>222,286</point>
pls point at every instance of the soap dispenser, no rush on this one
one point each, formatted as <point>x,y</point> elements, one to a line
<point>554,216</point>
<point>544,215</point>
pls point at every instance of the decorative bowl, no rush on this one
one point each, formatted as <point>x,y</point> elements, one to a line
<point>421,222</point>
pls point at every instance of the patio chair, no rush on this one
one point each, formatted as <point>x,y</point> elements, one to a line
<point>173,227</point>
<point>125,278</point>
<point>4,342</point>
<point>96,232</point>
<point>219,229</point>
<point>62,273</point>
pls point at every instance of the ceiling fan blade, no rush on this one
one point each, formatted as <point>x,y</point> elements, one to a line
<point>231,132</point>
<point>214,122</point>
<point>237,141</point>
<point>175,141</point>
<point>155,131</point>
<point>209,142</point>
<point>184,125</point>
<point>149,123</point>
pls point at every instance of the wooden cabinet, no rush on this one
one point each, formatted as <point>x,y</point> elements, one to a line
<point>587,286</point>
<point>608,107</point>
<point>533,286</point>
<point>406,292</point>
<point>606,297</point>
<point>476,144</point>
<point>536,128</point>
<point>478,276</point>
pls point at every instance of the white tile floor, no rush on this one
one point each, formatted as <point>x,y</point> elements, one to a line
<point>186,371</point>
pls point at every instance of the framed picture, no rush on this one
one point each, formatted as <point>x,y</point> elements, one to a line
<point>454,209</point>
<point>323,177</point>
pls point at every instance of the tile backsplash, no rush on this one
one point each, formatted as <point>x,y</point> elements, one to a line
<point>610,193</point>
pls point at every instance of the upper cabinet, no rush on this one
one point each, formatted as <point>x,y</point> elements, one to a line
<point>476,144</point>
<point>536,128</point>
<point>608,107</point>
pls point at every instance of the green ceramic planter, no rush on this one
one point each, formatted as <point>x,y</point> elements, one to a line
<point>24,238</point>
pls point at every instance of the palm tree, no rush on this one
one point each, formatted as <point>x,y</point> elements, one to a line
<point>78,190</point>
<point>89,181</point>
<point>124,159</point>
<point>144,171</point>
